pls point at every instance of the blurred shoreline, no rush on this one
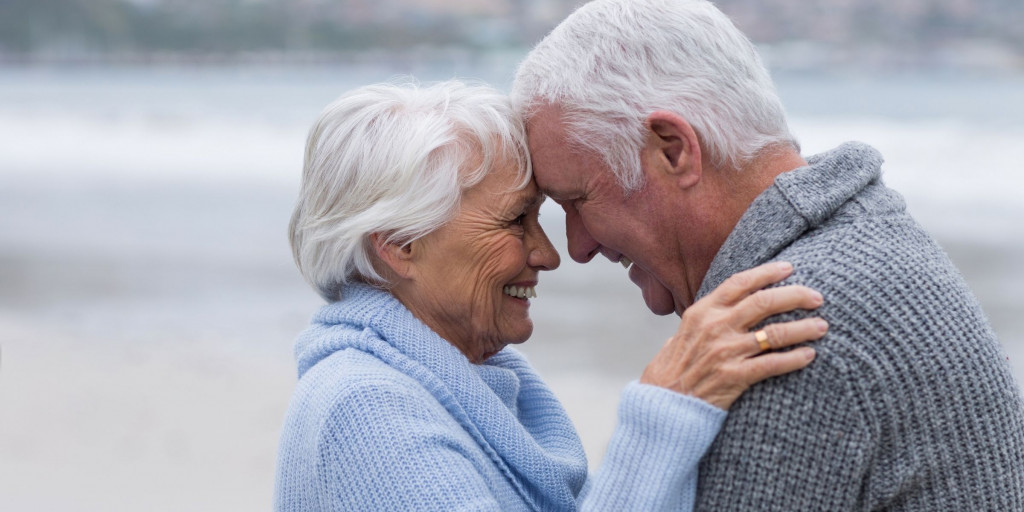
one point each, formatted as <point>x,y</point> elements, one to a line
<point>978,55</point>
<point>421,54</point>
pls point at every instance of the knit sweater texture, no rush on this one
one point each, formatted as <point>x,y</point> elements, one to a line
<point>910,404</point>
<point>389,416</point>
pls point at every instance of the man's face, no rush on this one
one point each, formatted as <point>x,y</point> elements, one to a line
<point>601,219</point>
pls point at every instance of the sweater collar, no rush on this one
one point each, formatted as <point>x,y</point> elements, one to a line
<point>503,404</point>
<point>798,201</point>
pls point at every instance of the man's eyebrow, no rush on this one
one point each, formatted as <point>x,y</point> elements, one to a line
<point>555,195</point>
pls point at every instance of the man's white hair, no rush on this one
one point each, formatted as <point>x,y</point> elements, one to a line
<point>394,159</point>
<point>613,62</point>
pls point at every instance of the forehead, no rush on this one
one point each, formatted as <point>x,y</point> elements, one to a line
<point>561,169</point>
<point>498,190</point>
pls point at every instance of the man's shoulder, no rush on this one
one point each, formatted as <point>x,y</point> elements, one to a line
<point>867,236</point>
<point>909,377</point>
<point>884,257</point>
<point>900,313</point>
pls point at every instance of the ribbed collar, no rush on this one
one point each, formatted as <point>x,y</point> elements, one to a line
<point>503,403</point>
<point>798,201</point>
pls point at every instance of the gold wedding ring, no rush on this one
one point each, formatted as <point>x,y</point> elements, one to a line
<point>762,340</point>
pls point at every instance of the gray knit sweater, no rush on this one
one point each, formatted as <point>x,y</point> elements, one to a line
<point>910,404</point>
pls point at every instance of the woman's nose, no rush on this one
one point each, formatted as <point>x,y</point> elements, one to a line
<point>542,255</point>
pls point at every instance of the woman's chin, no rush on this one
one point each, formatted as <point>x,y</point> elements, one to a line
<point>522,333</point>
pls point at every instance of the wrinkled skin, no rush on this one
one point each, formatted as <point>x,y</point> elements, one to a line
<point>458,273</point>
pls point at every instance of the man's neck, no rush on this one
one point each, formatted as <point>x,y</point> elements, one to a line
<point>734,191</point>
<point>759,174</point>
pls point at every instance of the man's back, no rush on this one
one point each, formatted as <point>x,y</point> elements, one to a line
<point>910,404</point>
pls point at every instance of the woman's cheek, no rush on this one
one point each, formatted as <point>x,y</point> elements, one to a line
<point>504,259</point>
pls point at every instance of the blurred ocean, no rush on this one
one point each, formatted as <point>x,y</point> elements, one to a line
<point>148,301</point>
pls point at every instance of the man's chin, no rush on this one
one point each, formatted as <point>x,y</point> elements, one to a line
<point>658,299</point>
<point>657,304</point>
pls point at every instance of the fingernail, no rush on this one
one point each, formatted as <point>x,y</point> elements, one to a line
<point>809,353</point>
<point>822,325</point>
<point>785,266</point>
<point>818,298</point>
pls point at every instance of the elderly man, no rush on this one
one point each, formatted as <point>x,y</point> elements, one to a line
<point>656,127</point>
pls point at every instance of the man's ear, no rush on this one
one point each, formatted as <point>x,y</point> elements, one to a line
<point>398,258</point>
<point>672,148</point>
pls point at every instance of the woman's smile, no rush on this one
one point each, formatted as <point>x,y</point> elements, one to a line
<point>521,291</point>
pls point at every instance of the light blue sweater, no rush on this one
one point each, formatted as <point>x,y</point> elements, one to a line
<point>389,416</point>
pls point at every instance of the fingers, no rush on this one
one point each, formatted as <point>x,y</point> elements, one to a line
<point>743,365</point>
<point>790,333</point>
<point>777,363</point>
<point>742,284</point>
<point>765,303</point>
<point>782,335</point>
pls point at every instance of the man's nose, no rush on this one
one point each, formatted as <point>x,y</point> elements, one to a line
<point>582,246</point>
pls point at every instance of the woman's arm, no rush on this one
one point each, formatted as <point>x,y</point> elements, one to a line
<point>651,462</point>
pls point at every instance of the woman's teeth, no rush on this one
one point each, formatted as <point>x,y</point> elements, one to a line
<point>522,292</point>
<point>626,262</point>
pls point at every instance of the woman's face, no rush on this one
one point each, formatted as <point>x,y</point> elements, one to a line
<point>473,278</point>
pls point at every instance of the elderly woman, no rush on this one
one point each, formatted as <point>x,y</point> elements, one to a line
<point>417,221</point>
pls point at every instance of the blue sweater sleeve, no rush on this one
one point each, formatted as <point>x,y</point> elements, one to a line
<point>651,462</point>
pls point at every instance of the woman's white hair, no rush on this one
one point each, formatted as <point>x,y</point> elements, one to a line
<point>394,159</point>
<point>613,62</point>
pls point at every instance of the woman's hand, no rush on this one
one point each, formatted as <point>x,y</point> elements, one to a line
<point>715,357</point>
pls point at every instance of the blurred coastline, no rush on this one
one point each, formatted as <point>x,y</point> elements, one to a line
<point>148,301</point>
<point>879,34</point>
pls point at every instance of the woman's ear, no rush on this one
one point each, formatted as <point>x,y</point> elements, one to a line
<point>672,148</point>
<point>396,257</point>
